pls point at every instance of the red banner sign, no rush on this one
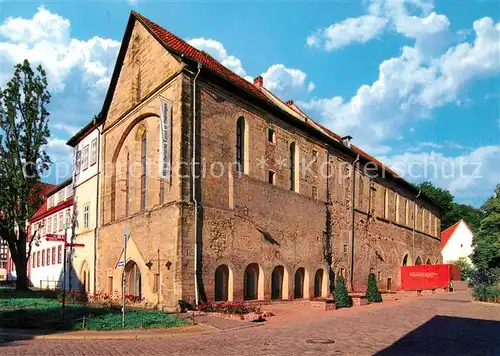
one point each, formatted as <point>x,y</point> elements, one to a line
<point>428,276</point>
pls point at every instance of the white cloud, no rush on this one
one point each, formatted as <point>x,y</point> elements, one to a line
<point>467,176</point>
<point>428,28</point>
<point>217,50</point>
<point>45,39</point>
<point>70,129</point>
<point>352,30</point>
<point>278,78</point>
<point>409,87</point>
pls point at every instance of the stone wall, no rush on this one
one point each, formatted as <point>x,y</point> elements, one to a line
<point>247,220</point>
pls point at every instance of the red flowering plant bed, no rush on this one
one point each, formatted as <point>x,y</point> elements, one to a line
<point>73,297</point>
<point>229,307</point>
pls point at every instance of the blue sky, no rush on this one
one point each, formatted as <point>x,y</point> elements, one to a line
<point>416,83</point>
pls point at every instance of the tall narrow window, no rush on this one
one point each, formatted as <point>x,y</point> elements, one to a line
<point>292,168</point>
<point>93,152</point>
<point>386,204</point>
<point>396,206</point>
<point>86,208</point>
<point>406,212</point>
<point>143,170</point>
<point>61,223</point>
<point>162,191</point>
<point>240,145</point>
<point>85,160</point>
<point>127,186</point>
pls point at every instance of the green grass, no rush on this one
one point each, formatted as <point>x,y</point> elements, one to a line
<point>42,310</point>
<point>134,320</point>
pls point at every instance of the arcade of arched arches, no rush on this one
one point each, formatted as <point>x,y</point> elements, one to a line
<point>253,283</point>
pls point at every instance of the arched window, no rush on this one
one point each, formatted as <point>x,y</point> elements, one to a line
<point>133,275</point>
<point>221,283</point>
<point>251,282</point>
<point>318,283</point>
<point>428,262</point>
<point>418,261</point>
<point>127,186</point>
<point>293,167</point>
<point>277,283</point>
<point>144,148</point>
<point>240,145</point>
<point>405,260</point>
<point>299,283</point>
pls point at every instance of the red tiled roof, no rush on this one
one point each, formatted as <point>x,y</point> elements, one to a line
<point>181,47</point>
<point>446,234</point>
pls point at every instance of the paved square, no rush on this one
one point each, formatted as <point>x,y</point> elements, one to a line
<point>442,324</point>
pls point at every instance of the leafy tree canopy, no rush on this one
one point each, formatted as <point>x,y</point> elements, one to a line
<point>23,136</point>
<point>486,256</point>
<point>453,212</point>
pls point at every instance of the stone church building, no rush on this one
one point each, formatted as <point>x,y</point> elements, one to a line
<point>230,193</point>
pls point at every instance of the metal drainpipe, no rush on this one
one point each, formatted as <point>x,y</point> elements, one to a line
<point>193,189</point>
<point>97,207</point>
<point>414,226</point>
<point>352,220</point>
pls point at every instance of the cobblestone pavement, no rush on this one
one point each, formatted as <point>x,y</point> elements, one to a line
<point>442,324</point>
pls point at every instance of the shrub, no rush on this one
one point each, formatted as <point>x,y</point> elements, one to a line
<point>372,293</point>
<point>487,293</point>
<point>229,307</point>
<point>466,268</point>
<point>342,299</point>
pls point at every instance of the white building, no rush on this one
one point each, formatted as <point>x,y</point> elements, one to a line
<point>456,242</point>
<point>53,219</point>
<point>86,148</point>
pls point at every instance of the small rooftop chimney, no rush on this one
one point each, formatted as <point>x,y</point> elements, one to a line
<point>346,140</point>
<point>289,103</point>
<point>258,81</point>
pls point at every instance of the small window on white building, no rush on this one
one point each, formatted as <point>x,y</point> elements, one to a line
<point>50,202</point>
<point>54,224</point>
<point>85,159</point>
<point>60,196</point>
<point>93,152</point>
<point>86,216</point>
<point>66,220</point>
<point>61,223</point>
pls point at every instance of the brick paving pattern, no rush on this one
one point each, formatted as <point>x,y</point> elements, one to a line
<point>444,324</point>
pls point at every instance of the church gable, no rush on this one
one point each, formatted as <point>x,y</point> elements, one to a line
<point>146,64</point>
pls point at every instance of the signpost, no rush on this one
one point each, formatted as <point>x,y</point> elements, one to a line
<point>126,235</point>
<point>64,239</point>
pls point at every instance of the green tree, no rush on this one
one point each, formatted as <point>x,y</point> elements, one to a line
<point>342,298</point>
<point>466,268</point>
<point>23,136</point>
<point>452,212</point>
<point>486,256</point>
<point>372,293</point>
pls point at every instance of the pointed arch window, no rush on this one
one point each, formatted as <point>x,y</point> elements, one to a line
<point>240,145</point>
<point>293,169</point>
<point>143,169</point>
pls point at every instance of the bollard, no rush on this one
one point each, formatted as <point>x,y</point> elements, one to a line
<point>83,323</point>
